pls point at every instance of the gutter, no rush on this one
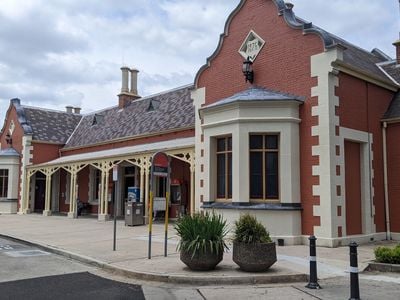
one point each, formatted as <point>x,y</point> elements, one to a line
<point>385,181</point>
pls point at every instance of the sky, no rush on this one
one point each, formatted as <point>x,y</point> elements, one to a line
<point>69,52</point>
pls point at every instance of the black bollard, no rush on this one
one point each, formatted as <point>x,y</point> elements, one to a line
<point>354,285</point>
<point>313,283</point>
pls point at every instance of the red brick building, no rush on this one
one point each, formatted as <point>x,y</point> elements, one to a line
<point>308,143</point>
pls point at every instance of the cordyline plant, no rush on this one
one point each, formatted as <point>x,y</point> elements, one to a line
<point>248,230</point>
<point>202,233</point>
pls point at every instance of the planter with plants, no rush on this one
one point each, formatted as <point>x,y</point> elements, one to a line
<point>388,255</point>
<point>202,241</point>
<point>253,249</point>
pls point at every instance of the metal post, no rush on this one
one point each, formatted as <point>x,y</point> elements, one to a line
<point>115,217</point>
<point>313,282</point>
<point>167,196</point>
<point>150,221</point>
<point>150,213</point>
<point>354,284</point>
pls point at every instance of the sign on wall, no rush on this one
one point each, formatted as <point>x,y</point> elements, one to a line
<point>251,46</point>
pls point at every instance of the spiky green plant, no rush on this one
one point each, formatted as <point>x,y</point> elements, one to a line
<point>249,230</point>
<point>201,233</point>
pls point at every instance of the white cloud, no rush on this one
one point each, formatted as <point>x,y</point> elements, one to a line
<point>60,52</point>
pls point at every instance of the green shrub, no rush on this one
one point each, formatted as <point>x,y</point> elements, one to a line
<point>202,233</point>
<point>388,255</point>
<point>249,230</point>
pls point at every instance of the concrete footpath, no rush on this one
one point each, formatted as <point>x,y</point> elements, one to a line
<point>91,241</point>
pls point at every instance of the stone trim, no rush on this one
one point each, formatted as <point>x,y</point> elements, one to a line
<point>201,167</point>
<point>325,150</point>
<point>253,206</point>
<point>8,200</point>
<point>26,160</point>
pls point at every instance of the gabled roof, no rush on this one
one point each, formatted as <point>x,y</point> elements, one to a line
<point>393,111</point>
<point>51,126</point>
<point>171,110</point>
<point>45,125</point>
<point>354,56</point>
<point>256,94</point>
<point>393,70</point>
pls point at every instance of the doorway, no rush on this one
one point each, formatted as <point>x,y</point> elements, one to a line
<point>40,190</point>
<point>352,157</point>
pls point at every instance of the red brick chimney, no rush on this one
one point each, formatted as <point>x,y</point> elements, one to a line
<point>126,95</point>
<point>397,45</point>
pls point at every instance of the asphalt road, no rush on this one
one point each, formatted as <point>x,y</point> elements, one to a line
<point>29,273</point>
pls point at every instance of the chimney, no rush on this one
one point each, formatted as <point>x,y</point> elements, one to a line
<point>134,76</point>
<point>397,45</point>
<point>125,80</point>
<point>127,95</point>
<point>77,110</point>
<point>68,109</point>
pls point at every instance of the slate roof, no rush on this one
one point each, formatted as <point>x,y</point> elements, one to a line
<point>49,125</point>
<point>9,152</point>
<point>393,111</point>
<point>393,69</point>
<point>256,94</point>
<point>362,59</point>
<point>171,110</point>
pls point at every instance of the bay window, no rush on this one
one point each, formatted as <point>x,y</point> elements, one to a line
<point>224,167</point>
<point>3,183</point>
<point>264,166</point>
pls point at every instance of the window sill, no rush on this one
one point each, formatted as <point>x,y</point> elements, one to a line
<point>253,206</point>
<point>8,200</point>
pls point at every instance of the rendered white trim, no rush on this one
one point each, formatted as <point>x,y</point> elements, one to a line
<point>199,99</point>
<point>251,120</point>
<point>27,155</point>
<point>289,157</point>
<point>367,191</point>
<point>280,224</point>
<point>321,67</point>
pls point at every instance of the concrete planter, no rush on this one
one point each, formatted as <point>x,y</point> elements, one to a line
<point>202,261</point>
<point>382,267</point>
<point>258,257</point>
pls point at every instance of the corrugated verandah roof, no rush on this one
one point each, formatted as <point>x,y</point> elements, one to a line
<point>119,153</point>
<point>171,110</point>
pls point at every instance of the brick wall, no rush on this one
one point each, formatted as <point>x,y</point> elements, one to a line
<point>393,156</point>
<point>284,65</point>
<point>362,105</point>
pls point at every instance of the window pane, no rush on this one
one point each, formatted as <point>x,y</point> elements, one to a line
<point>256,184</point>
<point>271,142</point>
<point>221,144</point>
<point>221,176</point>
<point>256,142</point>
<point>229,144</point>
<point>229,175</point>
<point>1,186</point>
<point>6,185</point>
<point>3,183</point>
<point>271,179</point>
